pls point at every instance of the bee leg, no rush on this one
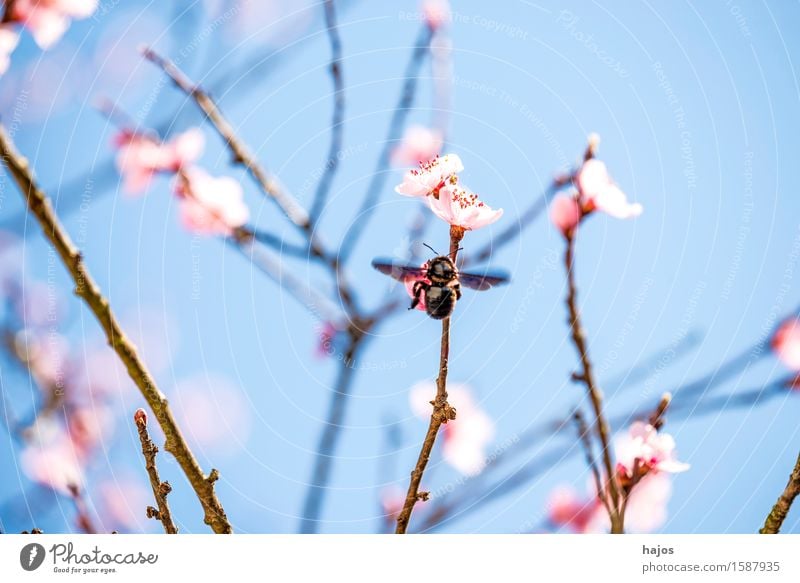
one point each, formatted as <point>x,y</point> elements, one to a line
<point>417,291</point>
<point>457,288</point>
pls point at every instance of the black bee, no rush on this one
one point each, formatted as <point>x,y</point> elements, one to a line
<point>444,288</point>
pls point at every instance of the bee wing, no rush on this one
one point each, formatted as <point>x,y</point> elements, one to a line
<point>399,271</point>
<point>484,281</point>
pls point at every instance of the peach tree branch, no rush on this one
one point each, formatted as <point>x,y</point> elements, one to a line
<point>87,289</point>
<point>160,489</point>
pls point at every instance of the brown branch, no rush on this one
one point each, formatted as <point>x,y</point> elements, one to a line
<point>772,525</point>
<point>337,123</point>
<point>587,377</point>
<point>160,489</point>
<point>442,411</point>
<point>86,288</point>
<point>83,519</point>
<point>584,437</point>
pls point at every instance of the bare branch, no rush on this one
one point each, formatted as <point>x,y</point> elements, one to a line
<point>774,521</point>
<point>442,411</point>
<point>160,489</point>
<point>86,288</point>
<point>337,123</point>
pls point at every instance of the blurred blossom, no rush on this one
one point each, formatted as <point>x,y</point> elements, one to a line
<point>48,20</point>
<point>101,374</point>
<point>213,413</point>
<point>121,503</point>
<point>8,42</point>
<point>431,176</point>
<point>53,462</point>
<point>209,205</point>
<point>47,355</point>
<point>565,213</point>
<point>461,207</point>
<point>419,145</point>
<point>329,334</point>
<point>38,304</point>
<point>646,450</point>
<point>436,12</point>
<point>141,156</point>
<point>598,191</point>
<point>645,512</point>
<point>786,343</point>
<point>466,438</point>
<point>89,427</point>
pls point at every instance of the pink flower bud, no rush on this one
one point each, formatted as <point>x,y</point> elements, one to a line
<point>140,417</point>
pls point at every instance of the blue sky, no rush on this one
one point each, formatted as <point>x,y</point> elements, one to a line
<point>697,107</point>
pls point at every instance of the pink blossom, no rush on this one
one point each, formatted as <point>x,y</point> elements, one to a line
<point>8,42</point>
<point>53,462</point>
<point>598,191</point>
<point>88,427</point>
<point>648,450</point>
<point>462,208</point>
<point>466,438</point>
<point>566,508</point>
<point>141,156</point>
<point>209,205</point>
<point>786,343</point>
<point>436,12</point>
<point>565,213</point>
<point>646,510</point>
<point>419,145</point>
<point>48,20</point>
<point>431,176</point>
<point>328,332</point>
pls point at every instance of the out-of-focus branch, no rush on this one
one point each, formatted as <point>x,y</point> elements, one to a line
<point>323,459</point>
<point>160,489</point>
<point>584,436</point>
<point>380,174</point>
<point>270,186</point>
<point>337,123</point>
<point>86,288</point>
<point>442,411</point>
<point>772,525</point>
<point>587,377</point>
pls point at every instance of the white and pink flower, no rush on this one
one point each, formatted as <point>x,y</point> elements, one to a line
<point>48,20</point>
<point>786,343</point>
<point>598,191</point>
<point>418,146</point>
<point>462,208</point>
<point>431,176</point>
<point>210,205</point>
<point>465,438</point>
<point>142,156</point>
<point>646,450</point>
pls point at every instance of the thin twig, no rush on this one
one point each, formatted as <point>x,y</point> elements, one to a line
<point>584,436</point>
<point>587,377</point>
<point>380,174</point>
<point>83,519</point>
<point>269,185</point>
<point>337,123</point>
<point>160,489</point>
<point>86,288</point>
<point>772,525</point>
<point>323,458</point>
<point>442,411</point>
